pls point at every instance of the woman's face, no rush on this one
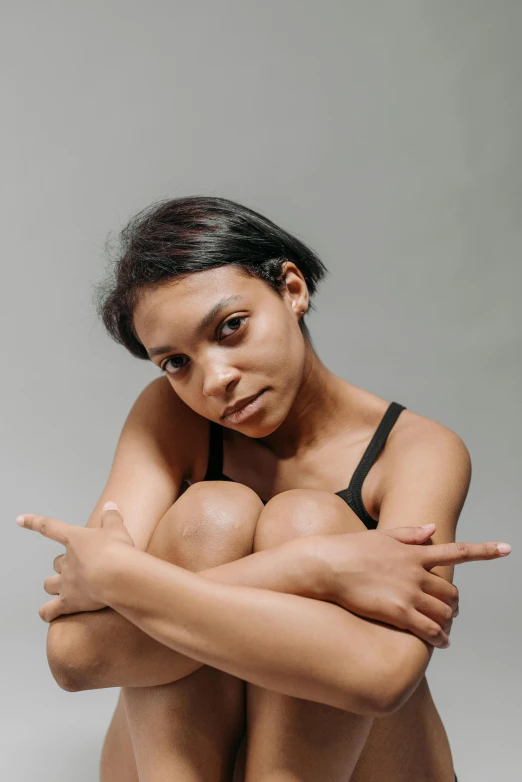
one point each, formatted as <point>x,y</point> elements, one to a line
<point>221,337</point>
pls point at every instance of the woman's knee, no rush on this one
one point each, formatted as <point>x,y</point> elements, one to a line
<point>299,512</point>
<point>211,523</point>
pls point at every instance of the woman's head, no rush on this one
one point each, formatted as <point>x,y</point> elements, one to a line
<point>177,261</point>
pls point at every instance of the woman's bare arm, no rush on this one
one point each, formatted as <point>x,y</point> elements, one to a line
<point>428,478</point>
<point>158,443</point>
<point>98,649</point>
<point>287,643</point>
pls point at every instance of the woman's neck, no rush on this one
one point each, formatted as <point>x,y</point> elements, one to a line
<point>324,403</point>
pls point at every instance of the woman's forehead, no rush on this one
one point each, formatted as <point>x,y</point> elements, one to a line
<point>196,297</point>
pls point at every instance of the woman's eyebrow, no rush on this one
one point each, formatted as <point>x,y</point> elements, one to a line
<point>203,324</point>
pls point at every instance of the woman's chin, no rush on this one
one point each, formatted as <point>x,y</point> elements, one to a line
<point>255,430</point>
<point>260,428</point>
<point>257,427</point>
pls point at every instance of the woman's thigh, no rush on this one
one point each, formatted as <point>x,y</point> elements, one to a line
<point>409,744</point>
<point>291,738</point>
<point>210,524</point>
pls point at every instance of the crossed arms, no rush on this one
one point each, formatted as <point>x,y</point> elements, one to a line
<point>241,618</point>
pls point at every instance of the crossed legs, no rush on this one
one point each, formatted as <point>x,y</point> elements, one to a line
<point>190,730</point>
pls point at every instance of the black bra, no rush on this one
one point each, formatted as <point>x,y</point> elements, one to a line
<point>352,494</point>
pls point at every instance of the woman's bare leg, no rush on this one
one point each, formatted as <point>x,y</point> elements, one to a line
<point>117,762</point>
<point>290,739</point>
<point>190,729</point>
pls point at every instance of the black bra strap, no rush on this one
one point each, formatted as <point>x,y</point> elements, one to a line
<point>351,495</point>
<point>215,453</point>
<point>371,453</point>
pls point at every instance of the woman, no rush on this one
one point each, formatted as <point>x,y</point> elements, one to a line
<point>304,637</point>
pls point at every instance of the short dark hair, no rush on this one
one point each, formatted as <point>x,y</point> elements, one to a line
<point>177,236</point>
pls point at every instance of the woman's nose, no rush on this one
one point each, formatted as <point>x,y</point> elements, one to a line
<point>219,380</point>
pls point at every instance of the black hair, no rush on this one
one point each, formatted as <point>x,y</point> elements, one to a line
<point>182,235</point>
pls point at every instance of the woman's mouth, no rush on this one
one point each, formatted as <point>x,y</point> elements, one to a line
<point>247,410</point>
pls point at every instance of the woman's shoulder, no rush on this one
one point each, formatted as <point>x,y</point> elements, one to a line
<point>402,430</point>
<point>420,441</point>
<point>177,427</point>
<point>413,427</point>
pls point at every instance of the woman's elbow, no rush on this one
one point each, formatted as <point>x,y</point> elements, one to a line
<point>373,695</point>
<point>398,685</point>
<point>401,666</point>
<point>365,704</point>
<point>70,655</point>
<point>382,689</point>
<point>65,675</point>
<point>381,699</point>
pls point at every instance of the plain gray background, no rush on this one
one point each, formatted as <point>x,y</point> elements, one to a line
<point>384,134</point>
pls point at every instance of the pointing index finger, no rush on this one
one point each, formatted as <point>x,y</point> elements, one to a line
<point>458,552</point>
<point>46,526</point>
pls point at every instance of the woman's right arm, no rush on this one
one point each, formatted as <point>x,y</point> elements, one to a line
<point>153,456</point>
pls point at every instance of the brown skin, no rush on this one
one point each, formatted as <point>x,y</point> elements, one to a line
<point>309,417</point>
<point>311,429</point>
<point>305,404</point>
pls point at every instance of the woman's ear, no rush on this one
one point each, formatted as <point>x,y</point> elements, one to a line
<point>296,290</point>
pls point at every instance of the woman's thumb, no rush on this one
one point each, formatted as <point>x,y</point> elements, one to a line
<point>411,534</point>
<point>111,514</point>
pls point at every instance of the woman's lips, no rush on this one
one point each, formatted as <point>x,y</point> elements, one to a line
<point>247,410</point>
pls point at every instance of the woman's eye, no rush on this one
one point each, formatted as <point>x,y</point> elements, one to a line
<point>175,366</point>
<point>231,323</point>
<point>175,361</point>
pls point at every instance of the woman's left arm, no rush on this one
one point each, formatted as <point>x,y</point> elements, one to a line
<point>427,480</point>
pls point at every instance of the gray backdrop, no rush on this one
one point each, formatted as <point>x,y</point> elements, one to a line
<point>386,135</point>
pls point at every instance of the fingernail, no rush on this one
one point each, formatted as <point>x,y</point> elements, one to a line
<point>20,521</point>
<point>504,548</point>
<point>110,506</point>
<point>424,526</point>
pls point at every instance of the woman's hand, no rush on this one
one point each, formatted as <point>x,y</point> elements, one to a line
<point>376,575</point>
<point>79,568</point>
